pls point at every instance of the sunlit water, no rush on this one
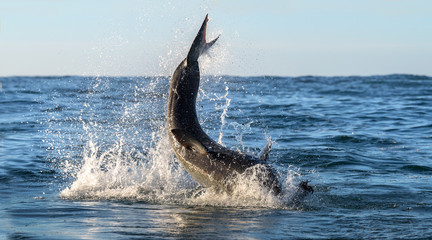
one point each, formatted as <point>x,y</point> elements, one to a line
<point>89,158</point>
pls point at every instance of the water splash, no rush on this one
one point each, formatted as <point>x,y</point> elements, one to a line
<point>156,177</point>
<point>240,130</point>
<point>222,103</point>
<point>119,174</point>
<point>120,149</point>
<point>224,113</point>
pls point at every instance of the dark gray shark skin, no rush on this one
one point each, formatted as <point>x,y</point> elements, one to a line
<point>209,163</point>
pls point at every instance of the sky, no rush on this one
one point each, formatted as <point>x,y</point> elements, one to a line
<point>272,37</point>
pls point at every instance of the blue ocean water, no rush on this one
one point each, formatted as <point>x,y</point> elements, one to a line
<point>88,158</point>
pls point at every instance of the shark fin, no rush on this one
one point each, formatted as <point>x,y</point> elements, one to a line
<point>200,44</point>
<point>208,45</point>
<point>188,141</point>
<point>266,150</point>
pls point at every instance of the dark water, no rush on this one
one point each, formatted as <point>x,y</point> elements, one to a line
<point>88,158</point>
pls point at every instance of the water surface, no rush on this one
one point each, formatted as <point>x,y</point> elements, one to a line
<point>88,158</point>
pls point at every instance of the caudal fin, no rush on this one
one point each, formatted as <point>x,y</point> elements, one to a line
<point>209,44</point>
<point>199,45</point>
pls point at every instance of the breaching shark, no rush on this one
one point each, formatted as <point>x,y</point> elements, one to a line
<point>208,162</point>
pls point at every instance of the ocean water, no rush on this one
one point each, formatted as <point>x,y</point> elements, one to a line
<point>89,158</point>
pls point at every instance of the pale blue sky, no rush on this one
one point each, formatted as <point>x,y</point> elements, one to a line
<point>273,37</point>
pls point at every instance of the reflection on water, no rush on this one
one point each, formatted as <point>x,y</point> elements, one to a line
<point>135,219</point>
<point>128,220</point>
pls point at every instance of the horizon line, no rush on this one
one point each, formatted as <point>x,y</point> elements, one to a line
<point>210,75</point>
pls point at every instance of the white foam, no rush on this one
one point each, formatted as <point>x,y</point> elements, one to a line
<point>118,174</point>
<point>157,177</point>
